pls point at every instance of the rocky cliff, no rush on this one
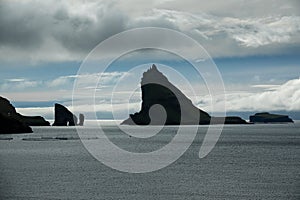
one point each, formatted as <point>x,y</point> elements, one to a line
<point>7,109</point>
<point>10,125</point>
<point>158,92</point>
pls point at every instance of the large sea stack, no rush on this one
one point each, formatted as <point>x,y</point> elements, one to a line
<point>266,117</point>
<point>157,91</point>
<point>63,117</point>
<point>7,109</point>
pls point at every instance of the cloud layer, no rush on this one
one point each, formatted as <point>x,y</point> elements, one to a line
<point>60,30</point>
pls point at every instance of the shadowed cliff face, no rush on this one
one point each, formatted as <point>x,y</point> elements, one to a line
<point>11,125</point>
<point>7,109</point>
<point>164,104</point>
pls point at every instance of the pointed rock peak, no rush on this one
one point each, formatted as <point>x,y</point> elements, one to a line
<point>153,75</point>
<point>154,67</point>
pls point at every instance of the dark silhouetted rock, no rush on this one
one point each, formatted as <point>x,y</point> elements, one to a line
<point>7,109</point>
<point>63,117</point>
<point>158,92</point>
<point>34,120</point>
<point>10,120</point>
<point>9,125</point>
<point>81,119</point>
<point>266,117</point>
<point>228,120</point>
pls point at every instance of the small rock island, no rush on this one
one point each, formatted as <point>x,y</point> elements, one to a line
<point>266,117</point>
<point>64,117</point>
<point>157,91</point>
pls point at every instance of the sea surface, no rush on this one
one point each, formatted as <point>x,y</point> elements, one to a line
<point>258,161</point>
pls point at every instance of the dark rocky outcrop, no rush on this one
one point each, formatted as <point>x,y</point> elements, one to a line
<point>157,91</point>
<point>227,120</point>
<point>266,117</point>
<point>8,110</point>
<point>10,125</point>
<point>63,117</point>
<point>34,120</point>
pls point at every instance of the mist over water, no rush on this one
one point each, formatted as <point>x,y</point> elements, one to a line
<point>248,162</point>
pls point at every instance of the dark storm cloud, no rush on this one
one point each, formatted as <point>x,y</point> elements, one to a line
<point>83,33</point>
<point>29,26</point>
<point>20,26</point>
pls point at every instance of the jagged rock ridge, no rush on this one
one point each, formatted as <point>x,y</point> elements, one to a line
<point>157,90</point>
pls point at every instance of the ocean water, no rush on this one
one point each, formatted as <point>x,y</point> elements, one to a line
<point>260,161</point>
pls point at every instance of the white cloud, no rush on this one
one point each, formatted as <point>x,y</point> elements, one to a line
<point>264,31</point>
<point>60,81</point>
<point>283,97</point>
<point>65,82</point>
<point>18,84</point>
<point>35,96</point>
<point>267,87</point>
<point>16,80</point>
<point>249,32</point>
<point>105,79</point>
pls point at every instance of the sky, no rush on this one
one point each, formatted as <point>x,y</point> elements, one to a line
<point>255,45</point>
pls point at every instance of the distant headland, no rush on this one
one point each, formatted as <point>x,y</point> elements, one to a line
<point>266,117</point>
